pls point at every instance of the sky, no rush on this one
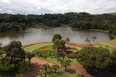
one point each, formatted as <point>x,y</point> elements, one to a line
<point>57,6</point>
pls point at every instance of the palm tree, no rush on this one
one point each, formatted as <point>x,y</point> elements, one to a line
<point>55,67</point>
<point>45,67</point>
<point>67,40</point>
<point>94,37</point>
<point>30,56</point>
<point>87,40</point>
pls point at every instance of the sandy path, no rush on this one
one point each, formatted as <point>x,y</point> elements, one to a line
<point>38,63</point>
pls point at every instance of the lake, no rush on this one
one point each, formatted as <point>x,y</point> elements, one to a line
<point>37,35</point>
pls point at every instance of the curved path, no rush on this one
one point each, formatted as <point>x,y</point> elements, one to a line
<point>38,63</point>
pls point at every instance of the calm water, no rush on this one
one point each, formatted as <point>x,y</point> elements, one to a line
<point>37,35</point>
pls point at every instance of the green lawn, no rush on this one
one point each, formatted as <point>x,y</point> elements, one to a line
<point>61,73</point>
<point>27,45</point>
<point>107,47</point>
<point>112,42</point>
<point>1,52</point>
<point>54,60</point>
<point>49,47</point>
<point>35,47</point>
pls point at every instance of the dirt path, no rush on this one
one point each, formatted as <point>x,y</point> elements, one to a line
<point>38,63</point>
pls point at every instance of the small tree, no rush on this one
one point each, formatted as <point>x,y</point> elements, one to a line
<point>45,67</point>
<point>55,67</point>
<point>93,38</point>
<point>0,46</point>
<point>59,44</point>
<point>87,40</point>
<point>56,36</point>
<point>30,56</point>
<point>67,40</point>
<point>92,57</point>
<point>65,63</point>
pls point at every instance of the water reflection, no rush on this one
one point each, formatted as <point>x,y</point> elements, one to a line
<point>38,35</point>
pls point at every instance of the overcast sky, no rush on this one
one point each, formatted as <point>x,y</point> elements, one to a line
<point>56,6</point>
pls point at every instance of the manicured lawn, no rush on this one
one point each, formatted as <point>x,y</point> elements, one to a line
<point>1,52</point>
<point>27,45</point>
<point>107,47</point>
<point>54,60</point>
<point>35,47</point>
<point>49,47</point>
<point>112,42</point>
<point>61,73</point>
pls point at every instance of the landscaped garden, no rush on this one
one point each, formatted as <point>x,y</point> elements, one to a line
<point>65,60</point>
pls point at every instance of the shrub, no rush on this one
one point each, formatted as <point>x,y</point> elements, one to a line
<point>92,57</point>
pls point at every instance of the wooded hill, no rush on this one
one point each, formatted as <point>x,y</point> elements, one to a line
<point>82,20</point>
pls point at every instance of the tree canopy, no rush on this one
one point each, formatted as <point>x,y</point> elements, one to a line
<point>82,20</point>
<point>56,36</point>
<point>93,57</point>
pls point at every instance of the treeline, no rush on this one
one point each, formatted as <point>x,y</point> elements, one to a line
<point>80,20</point>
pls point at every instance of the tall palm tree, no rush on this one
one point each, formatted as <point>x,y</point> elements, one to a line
<point>87,40</point>
<point>93,38</point>
<point>55,67</point>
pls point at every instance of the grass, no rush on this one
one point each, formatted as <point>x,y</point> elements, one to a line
<point>99,30</point>
<point>35,47</point>
<point>22,69</point>
<point>49,47</point>
<point>107,47</point>
<point>54,60</point>
<point>1,52</point>
<point>27,45</point>
<point>112,42</point>
<point>61,73</point>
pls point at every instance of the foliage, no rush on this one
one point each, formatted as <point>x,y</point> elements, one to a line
<point>92,57</point>
<point>79,75</point>
<point>112,42</point>
<point>65,62</point>
<point>45,67</point>
<point>82,20</point>
<point>93,38</point>
<point>21,69</point>
<point>30,56</point>
<point>55,67</point>
<point>71,54</point>
<point>59,44</point>
<point>5,64</point>
<point>87,40</point>
<point>67,39</point>
<point>45,53</point>
<point>56,36</point>
<point>107,47</point>
<point>14,49</point>
<point>113,66</point>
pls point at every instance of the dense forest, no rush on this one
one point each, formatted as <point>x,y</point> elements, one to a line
<point>82,20</point>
